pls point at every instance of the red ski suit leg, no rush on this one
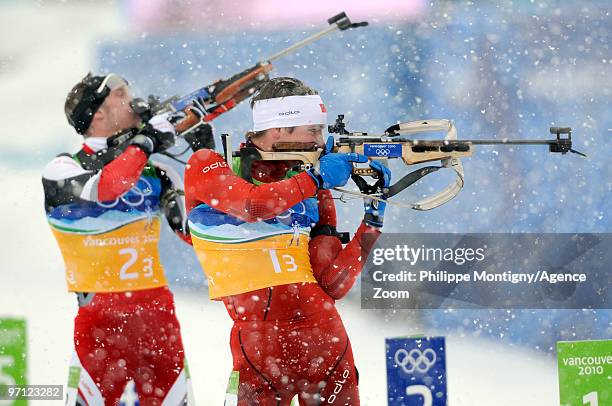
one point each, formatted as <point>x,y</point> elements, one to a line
<point>130,336</point>
<point>309,356</point>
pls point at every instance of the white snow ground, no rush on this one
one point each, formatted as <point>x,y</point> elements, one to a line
<point>46,47</point>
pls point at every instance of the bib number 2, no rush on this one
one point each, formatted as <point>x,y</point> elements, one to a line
<point>125,274</point>
<point>421,390</point>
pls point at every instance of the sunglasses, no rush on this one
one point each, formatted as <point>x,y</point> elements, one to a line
<point>95,90</point>
<point>108,83</point>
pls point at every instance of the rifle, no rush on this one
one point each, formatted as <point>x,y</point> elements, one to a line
<point>223,95</point>
<point>391,145</point>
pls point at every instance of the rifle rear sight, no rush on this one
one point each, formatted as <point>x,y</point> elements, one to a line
<point>339,127</point>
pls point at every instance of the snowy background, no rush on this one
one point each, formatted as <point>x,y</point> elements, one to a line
<point>505,69</point>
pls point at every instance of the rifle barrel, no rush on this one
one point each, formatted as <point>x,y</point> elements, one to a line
<point>504,142</point>
<point>380,138</point>
<point>561,145</point>
<point>303,42</point>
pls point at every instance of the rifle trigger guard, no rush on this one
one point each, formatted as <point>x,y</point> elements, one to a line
<point>366,188</point>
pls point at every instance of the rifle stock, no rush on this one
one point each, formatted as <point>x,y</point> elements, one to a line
<point>242,85</point>
<point>410,155</point>
<point>384,147</point>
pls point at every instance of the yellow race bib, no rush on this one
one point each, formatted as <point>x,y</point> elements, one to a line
<point>234,268</point>
<point>119,260</point>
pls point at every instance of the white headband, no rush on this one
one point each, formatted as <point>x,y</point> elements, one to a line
<point>290,111</point>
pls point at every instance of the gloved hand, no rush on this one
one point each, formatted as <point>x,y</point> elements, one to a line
<point>156,136</point>
<point>375,209</point>
<point>201,137</point>
<point>200,134</point>
<point>334,169</point>
<point>161,123</point>
<point>196,107</point>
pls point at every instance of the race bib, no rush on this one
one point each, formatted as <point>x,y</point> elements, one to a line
<point>119,260</point>
<point>234,268</point>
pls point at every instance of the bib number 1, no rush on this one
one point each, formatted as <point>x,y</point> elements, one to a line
<point>287,260</point>
<point>147,269</point>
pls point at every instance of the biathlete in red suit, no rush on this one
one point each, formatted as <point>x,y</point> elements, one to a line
<point>104,205</point>
<point>271,253</point>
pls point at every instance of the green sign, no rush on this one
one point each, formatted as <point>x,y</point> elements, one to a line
<point>585,372</point>
<point>13,356</point>
<point>74,376</point>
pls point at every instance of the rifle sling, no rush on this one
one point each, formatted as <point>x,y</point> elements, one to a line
<point>410,178</point>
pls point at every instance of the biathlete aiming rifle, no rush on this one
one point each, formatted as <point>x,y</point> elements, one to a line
<point>391,144</point>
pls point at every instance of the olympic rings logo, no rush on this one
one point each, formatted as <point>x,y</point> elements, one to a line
<point>415,360</point>
<point>299,208</point>
<point>382,151</point>
<point>139,193</point>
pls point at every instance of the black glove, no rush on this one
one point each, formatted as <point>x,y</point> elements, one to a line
<point>151,140</point>
<point>201,137</point>
<point>145,108</point>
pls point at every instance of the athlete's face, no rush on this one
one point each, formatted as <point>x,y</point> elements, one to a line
<point>300,134</point>
<point>303,133</point>
<point>117,113</point>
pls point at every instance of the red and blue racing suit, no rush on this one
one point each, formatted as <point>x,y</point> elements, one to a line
<point>288,338</point>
